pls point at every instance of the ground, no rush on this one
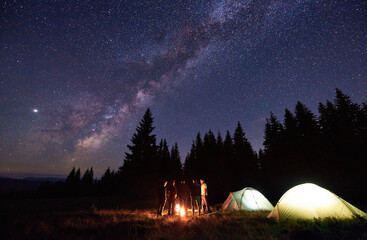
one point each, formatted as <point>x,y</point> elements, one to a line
<point>114,218</point>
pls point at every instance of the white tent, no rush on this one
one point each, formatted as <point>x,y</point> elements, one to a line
<point>309,201</point>
<point>247,199</point>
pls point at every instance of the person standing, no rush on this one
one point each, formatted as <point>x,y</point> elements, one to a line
<point>195,197</point>
<point>204,193</point>
<point>172,194</point>
<point>162,198</point>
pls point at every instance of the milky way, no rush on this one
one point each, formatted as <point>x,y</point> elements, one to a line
<point>76,76</point>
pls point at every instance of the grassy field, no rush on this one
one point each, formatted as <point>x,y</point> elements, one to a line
<point>112,218</point>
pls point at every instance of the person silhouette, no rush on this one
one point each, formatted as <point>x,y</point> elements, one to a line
<point>195,197</point>
<point>204,193</point>
<point>162,198</point>
<point>172,198</point>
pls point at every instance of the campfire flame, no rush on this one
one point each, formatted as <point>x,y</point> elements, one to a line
<point>177,208</point>
<point>180,210</point>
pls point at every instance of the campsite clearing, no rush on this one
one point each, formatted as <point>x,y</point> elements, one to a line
<point>111,218</point>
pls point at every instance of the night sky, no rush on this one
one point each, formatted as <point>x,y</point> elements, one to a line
<point>77,76</point>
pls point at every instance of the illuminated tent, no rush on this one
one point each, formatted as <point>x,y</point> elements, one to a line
<point>309,201</point>
<point>247,199</point>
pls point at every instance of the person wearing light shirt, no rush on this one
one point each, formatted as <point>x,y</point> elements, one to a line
<point>204,193</point>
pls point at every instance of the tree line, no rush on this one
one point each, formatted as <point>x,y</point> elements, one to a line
<point>145,166</point>
<point>329,149</point>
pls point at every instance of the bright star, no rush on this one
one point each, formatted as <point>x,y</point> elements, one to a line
<point>35,110</point>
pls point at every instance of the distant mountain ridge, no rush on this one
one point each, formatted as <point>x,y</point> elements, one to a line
<point>50,179</point>
<point>24,184</point>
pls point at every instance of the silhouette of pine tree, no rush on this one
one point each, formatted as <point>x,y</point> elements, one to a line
<point>345,147</point>
<point>329,150</point>
<point>306,165</point>
<point>219,188</point>
<point>70,179</point>
<point>107,176</point>
<point>164,161</point>
<point>87,182</point>
<point>273,132</point>
<point>109,183</point>
<point>272,160</point>
<point>229,162</point>
<point>77,176</point>
<point>199,161</point>
<point>209,156</point>
<point>245,165</point>
<point>176,166</point>
<point>87,178</point>
<point>72,183</point>
<point>190,164</point>
<point>140,170</point>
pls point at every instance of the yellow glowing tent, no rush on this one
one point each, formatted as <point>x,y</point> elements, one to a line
<point>308,201</point>
<point>247,199</point>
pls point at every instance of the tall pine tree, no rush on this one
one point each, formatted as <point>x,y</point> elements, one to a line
<point>175,162</point>
<point>140,170</point>
<point>245,166</point>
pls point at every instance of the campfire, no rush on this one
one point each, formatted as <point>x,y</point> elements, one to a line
<point>180,210</point>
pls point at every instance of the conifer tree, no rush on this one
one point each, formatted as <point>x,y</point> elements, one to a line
<point>77,176</point>
<point>72,182</point>
<point>106,176</point>
<point>228,145</point>
<point>188,167</point>
<point>140,170</point>
<point>109,184</point>
<point>221,165</point>
<point>327,119</point>
<point>220,172</point>
<point>245,166</point>
<point>347,150</point>
<point>209,156</point>
<point>87,182</point>
<point>175,159</point>
<point>260,157</point>
<point>163,158</point>
<point>273,132</point>
<point>228,161</point>
<point>305,121</point>
<point>199,153</point>
<point>219,140</point>
<point>71,177</point>
<point>272,158</point>
<point>143,143</point>
<point>290,124</point>
<point>87,178</point>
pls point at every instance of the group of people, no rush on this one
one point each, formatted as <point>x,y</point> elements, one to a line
<point>190,195</point>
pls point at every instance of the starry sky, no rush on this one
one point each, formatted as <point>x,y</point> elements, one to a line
<point>77,76</point>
